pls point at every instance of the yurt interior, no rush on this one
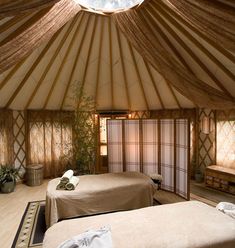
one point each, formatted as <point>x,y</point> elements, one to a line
<point>117,123</point>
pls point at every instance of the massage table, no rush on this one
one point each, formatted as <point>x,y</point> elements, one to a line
<point>186,224</point>
<point>99,194</point>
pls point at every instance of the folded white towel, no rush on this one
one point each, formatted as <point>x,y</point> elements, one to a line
<point>227,208</point>
<point>90,239</point>
<point>67,175</point>
<point>72,184</point>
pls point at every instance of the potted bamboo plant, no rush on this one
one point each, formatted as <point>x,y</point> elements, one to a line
<point>8,176</point>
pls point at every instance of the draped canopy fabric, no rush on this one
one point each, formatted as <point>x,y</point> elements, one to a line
<point>216,19</point>
<point>14,7</point>
<point>46,23</point>
<point>145,40</point>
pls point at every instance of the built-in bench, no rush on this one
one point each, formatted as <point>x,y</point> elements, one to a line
<point>221,178</point>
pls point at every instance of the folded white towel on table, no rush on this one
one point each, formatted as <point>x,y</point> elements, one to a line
<point>66,177</point>
<point>90,239</point>
<point>156,177</point>
<point>72,184</point>
<point>227,208</point>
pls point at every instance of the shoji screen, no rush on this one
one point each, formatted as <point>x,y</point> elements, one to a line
<point>150,146</point>
<point>182,157</point>
<point>132,145</point>
<point>115,146</point>
<point>167,153</point>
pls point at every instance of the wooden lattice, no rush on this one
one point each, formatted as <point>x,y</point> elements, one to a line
<point>140,114</point>
<point>206,142</point>
<point>225,123</point>
<point>19,141</point>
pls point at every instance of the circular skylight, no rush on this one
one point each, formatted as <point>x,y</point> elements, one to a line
<point>109,5</point>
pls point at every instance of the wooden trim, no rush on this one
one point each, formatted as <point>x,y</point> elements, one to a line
<point>75,63</point>
<point>123,146</point>
<point>159,146</point>
<point>141,148</point>
<point>175,156</point>
<point>189,169</point>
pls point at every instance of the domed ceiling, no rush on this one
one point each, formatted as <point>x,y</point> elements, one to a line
<point>92,51</point>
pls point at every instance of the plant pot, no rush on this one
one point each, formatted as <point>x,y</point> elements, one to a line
<point>198,177</point>
<point>8,187</point>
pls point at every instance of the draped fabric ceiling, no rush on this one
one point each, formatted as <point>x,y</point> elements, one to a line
<point>163,54</point>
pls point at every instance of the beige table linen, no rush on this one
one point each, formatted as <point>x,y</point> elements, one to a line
<point>99,194</point>
<point>180,225</point>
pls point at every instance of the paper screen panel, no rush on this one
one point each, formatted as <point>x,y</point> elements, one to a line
<point>182,147</point>
<point>150,146</point>
<point>167,153</point>
<point>132,146</point>
<point>115,156</point>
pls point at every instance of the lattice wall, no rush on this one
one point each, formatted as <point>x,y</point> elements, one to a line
<point>206,142</point>
<point>19,141</point>
<point>140,114</point>
<point>225,121</point>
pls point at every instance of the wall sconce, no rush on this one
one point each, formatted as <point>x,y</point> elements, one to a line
<point>206,125</point>
<point>129,116</point>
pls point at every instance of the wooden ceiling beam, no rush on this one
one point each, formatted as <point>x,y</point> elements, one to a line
<point>123,68</point>
<point>31,69</point>
<point>94,29</point>
<point>189,51</point>
<point>138,75</point>
<point>111,63</point>
<point>62,42</point>
<point>49,66</point>
<point>75,63</point>
<point>99,61</point>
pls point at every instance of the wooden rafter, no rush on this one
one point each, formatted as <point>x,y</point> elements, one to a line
<point>138,75</point>
<point>30,71</point>
<point>111,63</point>
<point>49,66</point>
<point>99,62</point>
<point>75,63</point>
<point>62,42</point>
<point>198,45</point>
<point>123,68</point>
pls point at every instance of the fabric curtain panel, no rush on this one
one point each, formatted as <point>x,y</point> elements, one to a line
<point>144,37</point>
<point>50,138</point>
<point>182,153</point>
<point>43,25</point>
<point>115,145</point>
<point>150,146</point>
<point>6,137</point>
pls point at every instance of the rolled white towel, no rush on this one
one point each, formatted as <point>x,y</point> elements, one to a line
<point>156,177</point>
<point>67,175</point>
<point>72,184</point>
<point>61,186</point>
<point>227,208</point>
<point>90,239</point>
